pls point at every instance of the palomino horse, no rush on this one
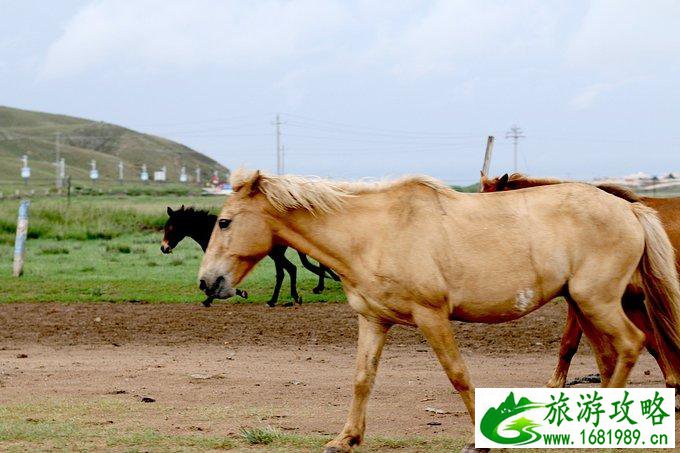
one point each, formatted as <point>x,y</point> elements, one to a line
<point>472,257</point>
<point>668,210</point>
<point>198,225</point>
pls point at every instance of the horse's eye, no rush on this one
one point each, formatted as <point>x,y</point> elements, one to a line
<point>224,223</point>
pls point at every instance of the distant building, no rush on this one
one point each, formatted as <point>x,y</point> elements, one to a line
<point>643,181</point>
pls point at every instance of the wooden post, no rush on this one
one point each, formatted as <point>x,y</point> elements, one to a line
<point>487,159</point>
<point>487,156</point>
<point>68,190</point>
<point>20,242</point>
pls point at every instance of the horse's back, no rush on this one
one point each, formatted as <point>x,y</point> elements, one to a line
<point>524,245</point>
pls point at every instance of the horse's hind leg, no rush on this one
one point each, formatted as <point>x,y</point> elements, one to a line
<point>436,327</point>
<point>292,275</point>
<point>633,305</point>
<point>571,337</point>
<point>603,350</point>
<point>318,289</point>
<point>331,274</point>
<point>600,309</point>
<point>319,270</point>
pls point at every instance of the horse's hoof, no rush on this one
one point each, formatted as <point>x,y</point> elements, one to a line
<point>298,300</point>
<point>271,304</point>
<point>470,448</point>
<point>288,304</point>
<point>207,302</point>
<point>317,290</point>
<point>552,384</point>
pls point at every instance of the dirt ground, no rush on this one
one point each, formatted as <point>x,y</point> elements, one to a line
<point>220,369</point>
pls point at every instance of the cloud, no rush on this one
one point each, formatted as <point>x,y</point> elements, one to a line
<point>587,97</point>
<point>626,38</point>
<point>457,35</point>
<point>407,38</point>
<point>171,34</point>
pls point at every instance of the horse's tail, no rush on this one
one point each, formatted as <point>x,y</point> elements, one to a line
<point>661,287</point>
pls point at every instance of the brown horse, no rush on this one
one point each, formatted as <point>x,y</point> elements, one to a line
<point>472,257</point>
<point>668,210</point>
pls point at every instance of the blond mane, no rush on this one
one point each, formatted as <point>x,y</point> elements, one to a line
<point>318,195</point>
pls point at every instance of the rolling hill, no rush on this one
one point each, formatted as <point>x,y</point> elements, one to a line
<point>81,140</point>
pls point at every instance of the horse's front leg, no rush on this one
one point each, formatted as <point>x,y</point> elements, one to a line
<point>372,336</point>
<point>436,327</point>
<point>279,278</point>
<point>571,337</point>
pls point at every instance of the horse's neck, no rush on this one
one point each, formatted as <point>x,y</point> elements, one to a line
<point>202,230</point>
<point>317,236</point>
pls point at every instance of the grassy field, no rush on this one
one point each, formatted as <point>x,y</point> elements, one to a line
<point>78,426</point>
<point>107,249</point>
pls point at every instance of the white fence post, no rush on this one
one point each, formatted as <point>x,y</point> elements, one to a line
<point>20,242</point>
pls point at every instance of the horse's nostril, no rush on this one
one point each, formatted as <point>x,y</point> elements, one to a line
<point>202,285</point>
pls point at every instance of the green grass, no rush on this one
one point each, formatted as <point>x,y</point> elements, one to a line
<point>108,423</point>
<point>86,218</point>
<point>107,249</point>
<point>132,268</point>
<point>261,435</point>
<point>105,425</point>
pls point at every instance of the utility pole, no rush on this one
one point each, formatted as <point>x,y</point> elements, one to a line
<point>198,175</point>
<point>279,146</point>
<point>57,160</point>
<point>120,171</point>
<point>283,159</point>
<point>62,169</point>
<point>515,133</point>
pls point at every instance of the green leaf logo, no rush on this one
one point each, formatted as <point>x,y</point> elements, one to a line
<point>525,428</point>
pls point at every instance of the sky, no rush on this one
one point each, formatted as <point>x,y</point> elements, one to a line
<point>364,88</point>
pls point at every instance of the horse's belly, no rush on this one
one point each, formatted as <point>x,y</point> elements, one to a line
<point>502,307</point>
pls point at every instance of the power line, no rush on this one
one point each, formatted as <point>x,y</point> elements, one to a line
<point>372,129</point>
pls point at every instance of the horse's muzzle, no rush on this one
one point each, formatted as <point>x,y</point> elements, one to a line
<point>217,287</point>
<point>165,248</point>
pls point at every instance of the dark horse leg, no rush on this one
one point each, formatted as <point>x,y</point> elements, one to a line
<point>319,270</point>
<point>278,254</point>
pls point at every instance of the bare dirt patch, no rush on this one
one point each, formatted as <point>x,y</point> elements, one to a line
<point>58,324</point>
<point>211,372</point>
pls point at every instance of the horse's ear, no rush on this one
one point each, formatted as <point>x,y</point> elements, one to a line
<point>170,211</point>
<point>181,208</point>
<point>502,182</point>
<point>249,184</point>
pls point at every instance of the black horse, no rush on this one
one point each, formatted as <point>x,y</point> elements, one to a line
<point>198,225</point>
